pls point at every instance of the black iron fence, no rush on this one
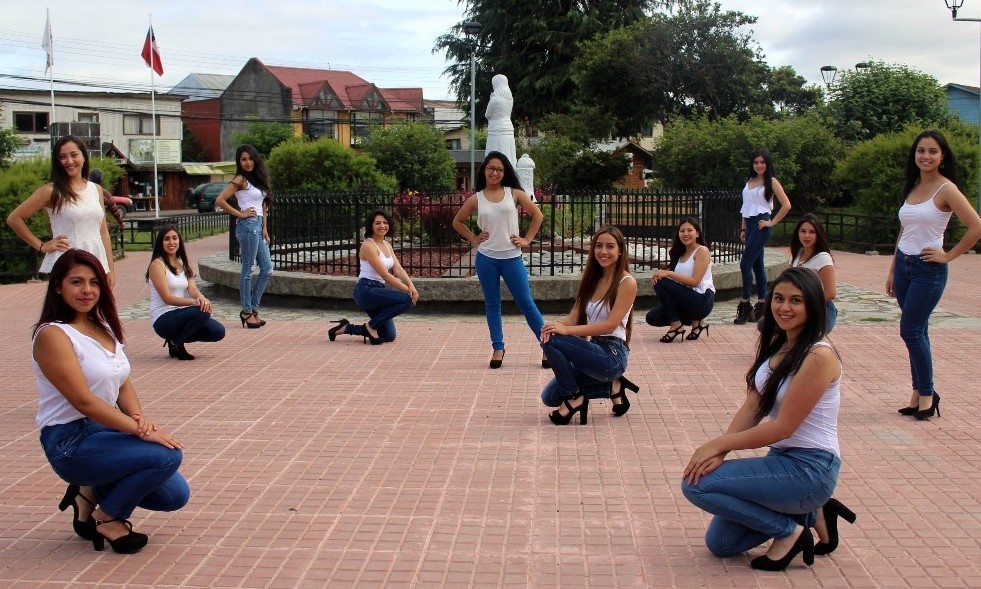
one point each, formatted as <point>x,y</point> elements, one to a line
<point>191,226</point>
<point>860,233</point>
<point>321,233</point>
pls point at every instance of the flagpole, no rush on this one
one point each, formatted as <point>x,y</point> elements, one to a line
<point>50,50</point>
<point>153,107</point>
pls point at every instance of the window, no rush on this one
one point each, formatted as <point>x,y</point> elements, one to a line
<point>31,122</point>
<point>453,144</point>
<point>139,125</point>
<point>88,117</point>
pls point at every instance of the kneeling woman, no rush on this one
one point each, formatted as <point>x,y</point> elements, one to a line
<point>93,429</point>
<point>795,380</point>
<point>180,313</point>
<point>593,368</point>
<point>379,267</point>
<point>686,292</point>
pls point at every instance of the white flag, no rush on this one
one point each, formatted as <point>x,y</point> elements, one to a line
<point>47,45</point>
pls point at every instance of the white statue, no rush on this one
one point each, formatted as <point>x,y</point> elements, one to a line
<point>500,129</point>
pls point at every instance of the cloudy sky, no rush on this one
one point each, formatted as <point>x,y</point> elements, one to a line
<point>389,42</point>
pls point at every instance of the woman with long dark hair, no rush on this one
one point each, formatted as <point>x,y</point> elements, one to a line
<point>588,349</point>
<point>918,273</point>
<point>384,289</point>
<point>810,248</point>
<point>74,206</point>
<point>499,245</point>
<point>94,431</point>
<point>250,187</point>
<point>685,292</point>
<point>179,312</point>
<point>795,381</point>
<point>756,226</point>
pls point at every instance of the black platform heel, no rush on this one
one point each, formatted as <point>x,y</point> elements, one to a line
<point>696,332</point>
<point>255,315</point>
<point>181,353</point>
<point>925,414</point>
<point>497,362</point>
<point>621,408</point>
<point>84,529</point>
<point>670,336</point>
<point>370,338</point>
<point>245,316</point>
<point>128,544</point>
<point>333,331</point>
<point>583,410</point>
<point>804,543</point>
<point>831,511</point>
<point>171,348</point>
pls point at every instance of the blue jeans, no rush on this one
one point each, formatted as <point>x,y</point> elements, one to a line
<point>755,499</point>
<point>188,324</point>
<point>919,286</point>
<point>125,471</point>
<point>490,271</point>
<point>679,303</point>
<point>382,306</point>
<point>254,250</point>
<point>751,263</point>
<point>831,318</point>
<point>583,366</point>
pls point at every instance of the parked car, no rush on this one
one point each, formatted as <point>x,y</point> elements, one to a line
<point>124,203</point>
<point>204,195</point>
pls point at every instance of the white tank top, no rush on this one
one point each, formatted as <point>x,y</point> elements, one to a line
<point>104,373</point>
<point>819,429</point>
<point>367,271</point>
<point>500,219</point>
<point>250,197</point>
<point>923,225</point>
<point>176,286</point>
<point>598,311</point>
<point>687,268</point>
<point>755,202</point>
<point>82,222</point>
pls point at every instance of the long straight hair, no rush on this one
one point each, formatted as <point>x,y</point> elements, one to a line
<point>158,252</point>
<point>62,191</point>
<point>678,249</point>
<point>510,178</point>
<point>55,309</point>
<point>821,241</point>
<point>593,272</point>
<point>772,338</point>
<point>258,177</point>
<point>767,174</point>
<point>948,165</point>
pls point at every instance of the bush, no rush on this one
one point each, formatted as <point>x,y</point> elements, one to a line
<point>324,166</point>
<point>19,181</point>
<point>429,218</point>
<point>415,154</point>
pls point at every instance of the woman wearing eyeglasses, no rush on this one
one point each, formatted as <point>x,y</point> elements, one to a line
<point>499,245</point>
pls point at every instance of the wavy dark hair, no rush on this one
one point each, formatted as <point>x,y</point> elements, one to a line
<point>677,248</point>
<point>772,338</point>
<point>62,191</point>
<point>369,220</point>
<point>593,272</point>
<point>767,175</point>
<point>510,178</point>
<point>948,165</point>
<point>158,252</point>
<point>821,242</point>
<point>55,309</point>
<point>258,177</point>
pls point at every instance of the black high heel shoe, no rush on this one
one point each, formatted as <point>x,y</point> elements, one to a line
<point>181,353</point>
<point>621,408</point>
<point>84,529</point>
<point>583,410</point>
<point>497,363</point>
<point>831,511</point>
<point>370,338</point>
<point>670,336</point>
<point>244,316</point>
<point>333,331</point>
<point>255,315</point>
<point>696,332</point>
<point>908,410</point>
<point>171,348</point>
<point>925,414</point>
<point>128,544</point>
<point>804,543</point>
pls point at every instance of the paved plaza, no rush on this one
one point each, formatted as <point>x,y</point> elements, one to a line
<point>334,464</point>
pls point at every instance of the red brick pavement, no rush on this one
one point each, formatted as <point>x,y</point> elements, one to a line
<point>317,464</point>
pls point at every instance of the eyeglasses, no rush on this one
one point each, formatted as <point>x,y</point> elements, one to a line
<point>495,170</point>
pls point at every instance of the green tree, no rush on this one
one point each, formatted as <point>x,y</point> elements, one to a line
<point>324,166</point>
<point>564,164</point>
<point>885,98</point>
<point>415,154</point>
<point>264,136</point>
<point>533,43</point>
<point>9,141</point>
<point>191,149</point>
<point>787,92</point>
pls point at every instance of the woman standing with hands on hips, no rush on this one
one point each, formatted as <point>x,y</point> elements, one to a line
<point>756,225</point>
<point>74,206</point>
<point>499,245</point>
<point>918,273</point>
<point>250,187</point>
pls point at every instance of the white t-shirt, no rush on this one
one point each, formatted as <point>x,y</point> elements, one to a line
<point>176,285</point>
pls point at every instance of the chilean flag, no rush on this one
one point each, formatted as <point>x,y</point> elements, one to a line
<point>150,53</point>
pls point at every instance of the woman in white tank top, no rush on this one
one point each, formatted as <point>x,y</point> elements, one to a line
<point>587,349</point>
<point>810,248</point>
<point>918,273</point>
<point>686,292</point>
<point>794,382</point>
<point>384,289</point>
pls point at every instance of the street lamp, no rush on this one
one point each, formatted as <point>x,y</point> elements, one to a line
<point>828,74</point>
<point>862,66</point>
<point>471,29</point>
<point>953,5</point>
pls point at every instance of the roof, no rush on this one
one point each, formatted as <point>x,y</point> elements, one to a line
<point>970,89</point>
<point>202,86</point>
<point>78,93</point>
<point>350,89</point>
<point>617,145</point>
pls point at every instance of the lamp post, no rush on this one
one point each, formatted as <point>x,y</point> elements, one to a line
<point>472,29</point>
<point>953,5</point>
<point>828,74</point>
